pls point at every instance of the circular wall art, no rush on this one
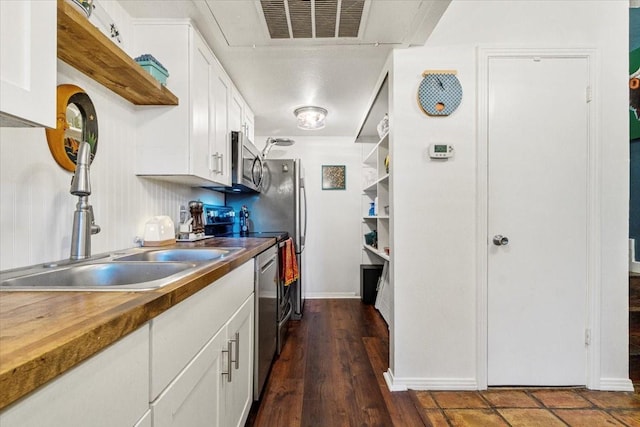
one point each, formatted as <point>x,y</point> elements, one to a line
<point>440,92</point>
<point>76,121</point>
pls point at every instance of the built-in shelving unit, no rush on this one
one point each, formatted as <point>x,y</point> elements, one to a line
<point>84,47</point>
<point>375,179</point>
<point>377,193</point>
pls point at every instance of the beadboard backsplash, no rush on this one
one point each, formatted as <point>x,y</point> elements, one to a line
<point>36,208</point>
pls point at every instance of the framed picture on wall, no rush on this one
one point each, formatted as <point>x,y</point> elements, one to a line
<point>334,177</point>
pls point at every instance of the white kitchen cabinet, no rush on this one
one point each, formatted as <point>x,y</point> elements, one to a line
<point>190,348</point>
<point>187,143</point>
<point>249,120</point>
<point>241,117</point>
<point>28,68</point>
<point>239,391</point>
<point>195,397</point>
<point>204,393</point>
<point>221,94</point>
<point>108,389</point>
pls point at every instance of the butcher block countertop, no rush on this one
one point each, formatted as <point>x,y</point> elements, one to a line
<point>44,334</point>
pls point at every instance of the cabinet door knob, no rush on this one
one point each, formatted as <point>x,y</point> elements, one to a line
<point>500,240</point>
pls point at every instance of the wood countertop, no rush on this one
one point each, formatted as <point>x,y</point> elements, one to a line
<point>44,334</point>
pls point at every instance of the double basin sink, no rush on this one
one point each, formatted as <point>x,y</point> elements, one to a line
<point>131,270</point>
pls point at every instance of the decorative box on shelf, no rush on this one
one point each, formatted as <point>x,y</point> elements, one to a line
<point>153,67</point>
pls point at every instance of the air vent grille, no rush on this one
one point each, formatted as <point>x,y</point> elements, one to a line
<point>308,19</point>
<point>276,16</point>
<point>350,16</point>
<point>300,13</point>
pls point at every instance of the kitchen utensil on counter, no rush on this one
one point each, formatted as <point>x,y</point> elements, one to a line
<point>244,218</point>
<point>159,231</point>
<point>196,207</point>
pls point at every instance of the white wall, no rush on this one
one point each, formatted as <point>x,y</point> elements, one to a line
<point>334,241</point>
<point>36,209</point>
<point>434,335</point>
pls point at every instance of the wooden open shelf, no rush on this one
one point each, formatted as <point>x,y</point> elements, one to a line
<point>85,48</point>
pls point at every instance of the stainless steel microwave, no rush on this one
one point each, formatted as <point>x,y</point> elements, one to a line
<point>246,166</point>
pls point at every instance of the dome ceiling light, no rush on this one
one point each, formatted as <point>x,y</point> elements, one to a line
<point>310,117</point>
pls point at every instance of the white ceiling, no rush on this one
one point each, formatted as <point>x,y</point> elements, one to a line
<point>277,76</point>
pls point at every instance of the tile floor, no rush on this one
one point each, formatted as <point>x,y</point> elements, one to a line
<point>528,407</point>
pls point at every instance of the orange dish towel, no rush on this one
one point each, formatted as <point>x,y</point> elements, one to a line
<point>288,263</point>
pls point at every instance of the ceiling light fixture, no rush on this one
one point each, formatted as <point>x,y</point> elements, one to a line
<point>310,117</point>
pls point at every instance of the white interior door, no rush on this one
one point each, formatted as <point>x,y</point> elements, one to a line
<point>537,198</point>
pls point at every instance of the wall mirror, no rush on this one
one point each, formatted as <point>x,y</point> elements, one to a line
<point>76,121</point>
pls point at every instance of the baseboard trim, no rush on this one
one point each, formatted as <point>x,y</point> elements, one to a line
<point>404,384</point>
<point>388,377</point>
<point>616,384</point>
<point>332,295</point>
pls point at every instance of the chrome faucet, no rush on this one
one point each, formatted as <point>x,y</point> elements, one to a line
<point>83,221</point>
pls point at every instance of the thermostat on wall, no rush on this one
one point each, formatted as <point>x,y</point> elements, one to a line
<point>440,151</point>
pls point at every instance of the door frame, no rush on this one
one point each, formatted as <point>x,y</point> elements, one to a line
<point>594,185</point>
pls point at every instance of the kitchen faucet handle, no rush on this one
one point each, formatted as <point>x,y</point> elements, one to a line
<point>95,228</point>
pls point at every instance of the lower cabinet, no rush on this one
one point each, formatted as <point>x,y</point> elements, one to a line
<point>109,389</point>
<point>194,363</point>
<point>214,389</point>
<point>195,397</point>
<point>202,356</point>
<point>239,387</point>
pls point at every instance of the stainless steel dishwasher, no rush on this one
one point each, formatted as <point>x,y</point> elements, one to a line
<point>266,307</point>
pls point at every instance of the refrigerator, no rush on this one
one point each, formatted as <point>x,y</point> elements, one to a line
<point>281,205</point>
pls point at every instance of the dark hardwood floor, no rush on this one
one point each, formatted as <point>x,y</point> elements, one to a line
<point>330,374</point>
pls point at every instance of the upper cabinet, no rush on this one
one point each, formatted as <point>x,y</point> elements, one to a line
<point>188,143</point>
<point>28,71</point>
<point>28,68</point>
<point>241,116</point>
<point>191,143</point>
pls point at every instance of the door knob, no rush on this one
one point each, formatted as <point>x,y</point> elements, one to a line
<point>500,240</point>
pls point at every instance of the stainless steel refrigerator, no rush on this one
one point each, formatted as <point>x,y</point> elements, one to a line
<point>280,206</point>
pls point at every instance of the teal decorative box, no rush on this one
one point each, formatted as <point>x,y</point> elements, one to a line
<point>153,67</point>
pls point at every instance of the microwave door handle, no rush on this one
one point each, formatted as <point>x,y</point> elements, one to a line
<point>258,161</point>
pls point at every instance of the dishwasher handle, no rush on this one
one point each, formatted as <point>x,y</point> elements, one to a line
<point>266,266</point>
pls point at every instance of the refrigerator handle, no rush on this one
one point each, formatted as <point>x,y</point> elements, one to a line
<point>304,198</point>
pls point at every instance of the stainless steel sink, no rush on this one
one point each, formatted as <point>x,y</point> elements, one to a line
<point>102,276</point>
<point>180,255</point>
<point>137,269</point>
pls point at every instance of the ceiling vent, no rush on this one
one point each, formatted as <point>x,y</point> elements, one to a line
<point>312,19</point>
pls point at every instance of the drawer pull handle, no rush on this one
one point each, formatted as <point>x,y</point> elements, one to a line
<point>237,341</point>
<point>229,369</point>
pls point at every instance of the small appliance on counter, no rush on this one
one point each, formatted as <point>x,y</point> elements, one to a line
<point>159,231</point>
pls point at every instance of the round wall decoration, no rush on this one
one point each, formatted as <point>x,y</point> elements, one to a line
<point>440,92</point>
<point>76,121</point>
